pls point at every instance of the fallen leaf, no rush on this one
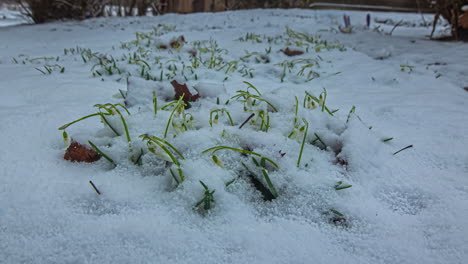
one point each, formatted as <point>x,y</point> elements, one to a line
<point>182,90</point>
<point>177,42</point>
<point>290,52</point>
<point>80,153</point>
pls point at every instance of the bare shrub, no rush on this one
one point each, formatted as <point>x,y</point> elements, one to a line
<point>41,11</point>
<point>451,11</point>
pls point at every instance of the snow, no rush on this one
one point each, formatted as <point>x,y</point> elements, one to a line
<point>11,16</point>
<point>404,208</point>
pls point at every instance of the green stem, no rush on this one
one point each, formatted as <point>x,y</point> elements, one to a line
<point>303,142</point>
<point>101,153</point>
<point>78,120</point>
<point>217,148</point>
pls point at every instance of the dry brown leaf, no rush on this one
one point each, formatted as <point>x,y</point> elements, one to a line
<point>177,42</point>
<point>80,153</point>
<point>290,52</point>
<point>182,90</point>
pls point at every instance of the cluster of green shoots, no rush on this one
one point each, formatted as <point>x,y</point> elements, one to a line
<point>309,42</point>
<point>140,61</point>
<point>406,68</point>
<point>148,39</point>
<point>256,167</point>
<point>261,164</point>
<point>255,104</point>
<point>305,68</point>
<point>178,119</point>
<point>49,64</point>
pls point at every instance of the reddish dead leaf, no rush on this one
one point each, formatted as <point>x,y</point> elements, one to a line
<point>182,90</point>
<point>177,42</point>
<point>80,153</point>
<point>290,52</point>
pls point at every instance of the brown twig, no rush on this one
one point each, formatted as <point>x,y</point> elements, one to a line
<point>95,188</point>
<point>247,120</point>
<point>394,27</point>
<point>407,147</point>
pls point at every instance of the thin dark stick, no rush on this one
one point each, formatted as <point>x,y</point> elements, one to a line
<point>399,23</point>
<point>245,122</point>
<point>95,188</point>
<point>410,146</point>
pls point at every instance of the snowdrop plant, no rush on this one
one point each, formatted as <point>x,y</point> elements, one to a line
<point>303,130</point>
<point>109,110</point>
<point>164,151</point>
<point>216,114</point>
<point>178,119</point>
<point>342,186</point>
<point>255,104</point>
<point>261,164</point>
<point>250,99</point>
<point>311,102</point>
<point>264,159</point>
<point>207,199</point>
<point>101,153</point>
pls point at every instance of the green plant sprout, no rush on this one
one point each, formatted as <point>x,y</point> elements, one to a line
<point>265,120</point>
<point>162,149</point>
<point>178,119</point>
<point>258,56</point>
<point>406,68</point>
<point>50,68</point>
<point>310,100</point>
<point>252,37</point>
<point>353,109</point>
<point>311,74</point>
<point>80,119</point>
<point>207,199</point>
<point>112,109</point>
<point>303,130</point>
<point>341,186</point>
<point>336,212</point>
<point>288,65</point>
<point>265,175</point>
<point>155,104</point>
<point>66,139</point>
<point>213,150</point>
<point>101,153</point>
<point>296,130</point>
<point>317,138</point>
<point>216,113</point>
<point>250,99</point>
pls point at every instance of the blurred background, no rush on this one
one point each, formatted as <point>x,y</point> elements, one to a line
<point>455,12</point>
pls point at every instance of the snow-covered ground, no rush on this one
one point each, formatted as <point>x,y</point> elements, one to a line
<point>405,208</point>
